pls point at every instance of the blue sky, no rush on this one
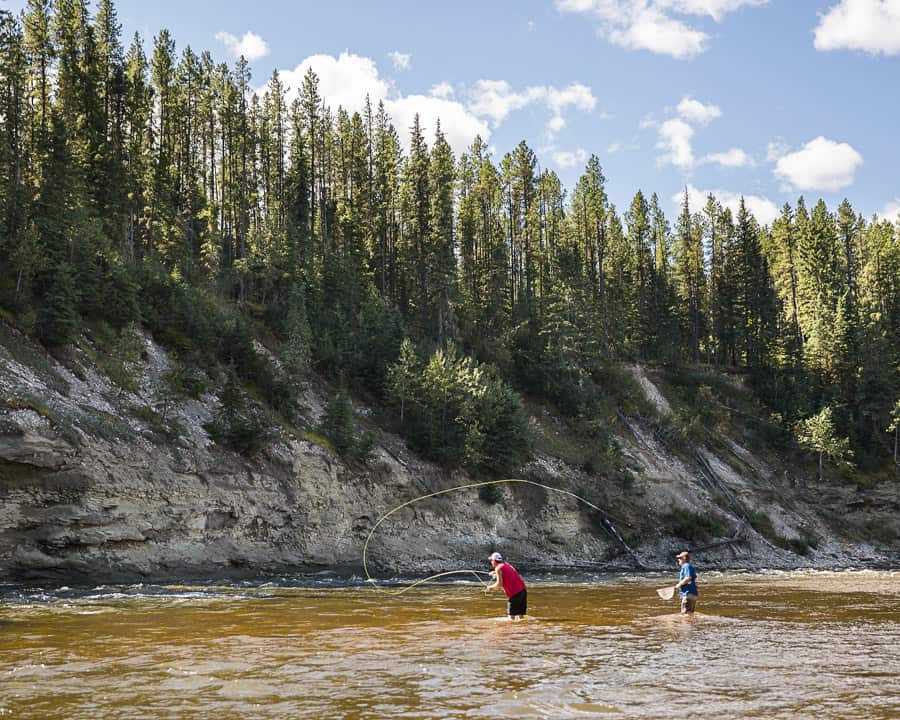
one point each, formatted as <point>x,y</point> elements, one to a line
<point>770,99</point>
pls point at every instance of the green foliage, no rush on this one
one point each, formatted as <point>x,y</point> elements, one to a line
<point>239,423</point>
<point>762,523</point>
<point>165,428</point>
<point>318,439</point>
<point>58,320</point>
<point>176,383</point>
<point>460,412</point>
<point>801,545</point>
<point>114,209</point>
<point>122,352</point>
<point>337,425</point>
<point>402,377</point>
<point>296,351</point>
<point>693,526</point>
<point>818,434</point>
<point>490,494</point>
<point>120,297</point>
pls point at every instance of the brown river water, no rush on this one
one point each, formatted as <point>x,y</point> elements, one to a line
<point>767,645</point>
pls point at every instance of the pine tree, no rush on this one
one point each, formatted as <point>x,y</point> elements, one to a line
<point>297,197</point>
<point>310,103</point>
<point>58,322</point>
<point>296,352</point>
<point>441,256</point>
<point>664,334</point>
<point>14,111</point>
<point>138,110</point>
<point>589,227</point>
<point>402,377</point>
<point>783,261</point>
<point>640,242</point>
<point>40,52</point>
<point>415,209</point>
<point>337,423</point>
<point>689,276</point>
<point>385,203</point>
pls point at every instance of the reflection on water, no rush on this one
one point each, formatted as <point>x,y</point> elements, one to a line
<point>777,645</point>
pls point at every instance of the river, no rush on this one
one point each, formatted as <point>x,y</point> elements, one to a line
<point>762,645</point>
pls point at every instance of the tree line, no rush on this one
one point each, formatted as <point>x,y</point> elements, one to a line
<point>149,185</point>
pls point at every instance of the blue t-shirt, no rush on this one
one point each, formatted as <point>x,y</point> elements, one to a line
<point>687,570</point>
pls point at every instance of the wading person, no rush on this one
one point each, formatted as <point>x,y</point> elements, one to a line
<point>510,582</point>
<point>687,583</point>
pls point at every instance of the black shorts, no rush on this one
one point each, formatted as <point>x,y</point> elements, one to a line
<point>517,604</point>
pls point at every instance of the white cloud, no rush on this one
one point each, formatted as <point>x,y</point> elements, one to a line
<point>651,25</point>
<point>558,100</point>
<point>763,209</point>
<point>821,164</point>
<point>496,99</point>
<point>733,158</point>
<point>659,33</point>
<point>675,138</point>
<point>531,26</point>
<point>618,147</point>
<point>568,158</point>
<point>555,124</point>
<point>343,81</point>
<point>776,150</point>
<point>676,135</point>
<point>716,9</point>
<point>648,121</point>
<point>872,26</point>
<point>574,95</point>
<point>441,90</point>
<point>891,211</point>
<point>401,61</point>
<point>251,45</point>
<point>694,111</point>
<point>346,80</point>
<point>458,124</point>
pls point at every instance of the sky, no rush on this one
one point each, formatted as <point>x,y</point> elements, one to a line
<point>769,99</point>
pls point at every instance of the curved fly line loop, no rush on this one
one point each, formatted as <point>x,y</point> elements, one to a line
<point>608,525</point>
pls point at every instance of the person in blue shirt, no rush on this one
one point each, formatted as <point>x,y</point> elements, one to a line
<point>687,583</point>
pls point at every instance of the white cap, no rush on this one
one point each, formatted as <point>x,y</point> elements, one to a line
<point>496,556</point>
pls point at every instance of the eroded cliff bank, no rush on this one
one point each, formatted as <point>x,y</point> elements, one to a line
<point>95,486</point>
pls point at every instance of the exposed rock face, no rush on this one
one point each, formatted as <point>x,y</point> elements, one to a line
<point>90,491</point>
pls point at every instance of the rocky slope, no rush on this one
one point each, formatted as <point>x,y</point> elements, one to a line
<point>95,486</point>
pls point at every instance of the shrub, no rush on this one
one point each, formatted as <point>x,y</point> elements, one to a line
<point>762,523</point>
<point>694,526</point>
<point>239,424</point>
<point>337,426</point>
<point>491,494</point>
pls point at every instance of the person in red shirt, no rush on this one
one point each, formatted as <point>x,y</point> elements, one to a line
<point>510,582</point>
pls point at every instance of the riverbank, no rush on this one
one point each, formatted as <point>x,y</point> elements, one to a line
<point>92,490</point>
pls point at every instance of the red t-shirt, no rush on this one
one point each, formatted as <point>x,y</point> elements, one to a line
<point>512,581</point>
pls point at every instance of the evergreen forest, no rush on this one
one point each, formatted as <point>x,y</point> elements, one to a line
<point>143,186</point>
